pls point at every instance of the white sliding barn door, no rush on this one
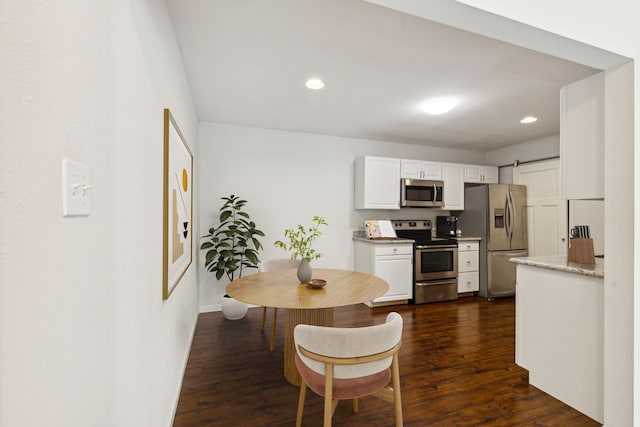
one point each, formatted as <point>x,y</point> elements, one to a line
<point>546,209</point>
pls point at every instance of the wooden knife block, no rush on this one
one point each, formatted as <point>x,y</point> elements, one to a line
<point>581,251</point>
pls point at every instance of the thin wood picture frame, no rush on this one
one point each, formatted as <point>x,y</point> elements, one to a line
<point>177,206</point>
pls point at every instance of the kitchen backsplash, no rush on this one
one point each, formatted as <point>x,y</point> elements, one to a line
<point>401,214</point>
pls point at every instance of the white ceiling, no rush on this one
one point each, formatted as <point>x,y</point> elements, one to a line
<point>247,61</point>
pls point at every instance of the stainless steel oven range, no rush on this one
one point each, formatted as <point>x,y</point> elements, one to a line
<point>435,261</point>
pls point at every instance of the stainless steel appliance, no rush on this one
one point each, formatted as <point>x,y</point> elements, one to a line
<point>497,214</point>
<point>435,261</point>
<point>421,193</point>
<point>446,226</point>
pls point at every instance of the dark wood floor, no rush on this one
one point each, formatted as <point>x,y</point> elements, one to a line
<point>456,365</point>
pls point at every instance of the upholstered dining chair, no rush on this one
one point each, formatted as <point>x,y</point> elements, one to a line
<point>272,265</point>
<point>348,363</point>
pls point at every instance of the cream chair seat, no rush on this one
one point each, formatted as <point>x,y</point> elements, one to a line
<point>272,265</point>
<point>348,363</point>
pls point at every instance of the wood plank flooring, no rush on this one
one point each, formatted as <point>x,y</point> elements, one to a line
<point>456,366</point>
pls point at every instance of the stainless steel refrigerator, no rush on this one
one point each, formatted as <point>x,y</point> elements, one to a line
<point>497,214</point>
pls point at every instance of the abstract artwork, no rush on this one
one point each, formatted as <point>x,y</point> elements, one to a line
<point>178,203</point>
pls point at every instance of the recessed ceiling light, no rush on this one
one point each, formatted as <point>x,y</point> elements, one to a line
<point>439,105</point>
<point>528,119</point>
<point>314,84</point>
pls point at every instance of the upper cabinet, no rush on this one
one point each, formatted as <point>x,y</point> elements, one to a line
<point>377,183</point>
<point>582,138</point>
<point>377,180</point>
<point>453,177</point>
<point>417,169</point>
<point>481,174</point>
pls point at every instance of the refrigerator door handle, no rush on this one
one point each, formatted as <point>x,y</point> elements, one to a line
<point>512,216</point>
<point>507,218</point>
<point>510,210</point>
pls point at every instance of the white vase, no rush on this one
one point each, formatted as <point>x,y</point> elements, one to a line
<point>304,271</point>
<point>232,309</point>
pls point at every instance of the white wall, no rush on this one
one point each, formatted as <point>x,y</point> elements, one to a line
<point>85,338</point>
<point>287,178</point>
<point>527,151</point>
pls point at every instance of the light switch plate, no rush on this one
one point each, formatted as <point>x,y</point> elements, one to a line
<point>75,189</point>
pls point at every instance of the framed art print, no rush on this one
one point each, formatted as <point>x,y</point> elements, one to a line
<point>178,204</point>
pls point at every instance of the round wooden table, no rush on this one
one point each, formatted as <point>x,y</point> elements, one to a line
<point>281,289</point>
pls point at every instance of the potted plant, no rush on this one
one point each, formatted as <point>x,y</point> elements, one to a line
<point>231,247</point>
<point>300,243</point>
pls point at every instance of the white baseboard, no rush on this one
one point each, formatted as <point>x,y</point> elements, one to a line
<point>210,308</point>
<point>185,360</point>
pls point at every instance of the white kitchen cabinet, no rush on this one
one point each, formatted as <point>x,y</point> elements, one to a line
<point>582,138</point>
<point>468,266</point>
<point>377,183</point>
<point>392,262</point>
<point>481,174</point>
<point>418,169</point>
<point>453,177</point>
<point>560,334</point>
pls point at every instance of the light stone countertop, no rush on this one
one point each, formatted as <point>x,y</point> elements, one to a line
<point>361,236</point>
<point>560,263</point>
<point>467,239</point>
<point>384,241</point>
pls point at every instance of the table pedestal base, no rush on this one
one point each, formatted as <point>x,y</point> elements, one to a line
<point>293,317</point>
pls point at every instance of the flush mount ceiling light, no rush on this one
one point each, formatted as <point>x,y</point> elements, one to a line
<point>439,105</point>
<point>314,84</point>
<point>528,119</point>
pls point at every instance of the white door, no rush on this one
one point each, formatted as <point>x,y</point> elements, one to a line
<point>546,209</point>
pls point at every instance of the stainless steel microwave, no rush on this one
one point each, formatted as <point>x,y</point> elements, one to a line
<point>421,193</point>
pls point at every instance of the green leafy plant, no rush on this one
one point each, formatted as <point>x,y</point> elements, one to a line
<point>233,244</point>
<point>301,239</point>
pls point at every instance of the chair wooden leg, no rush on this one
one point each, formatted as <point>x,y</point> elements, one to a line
<point>334,405</point>
<point>264,317</point>
<point>397,399</point>
<point>328,395</point>
<point>355,405</point>
<point>273,328</point>
<point>303,394</point>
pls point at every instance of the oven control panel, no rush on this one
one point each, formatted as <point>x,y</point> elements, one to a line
<point>418,224</point>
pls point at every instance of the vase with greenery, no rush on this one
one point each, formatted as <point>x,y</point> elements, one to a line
<point>301,239</point>
<point>232,245</point>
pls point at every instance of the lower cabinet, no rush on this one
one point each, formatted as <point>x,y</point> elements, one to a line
<point>560,335</point>
<point>468,266</point>
<point>392,263</point>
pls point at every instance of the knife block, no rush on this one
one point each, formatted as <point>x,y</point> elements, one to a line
<point>581,251</point>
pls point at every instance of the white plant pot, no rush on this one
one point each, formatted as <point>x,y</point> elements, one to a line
<point>233,309</point>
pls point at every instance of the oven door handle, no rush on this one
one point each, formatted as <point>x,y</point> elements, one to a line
<point>436,282</point>
<point>435,248</point>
